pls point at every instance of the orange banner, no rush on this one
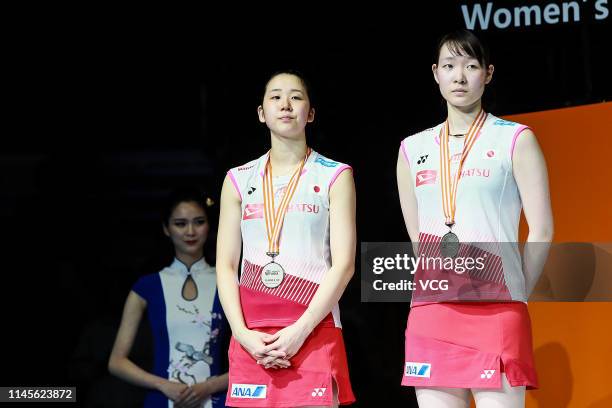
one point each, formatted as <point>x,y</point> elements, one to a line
<point>572,341</point>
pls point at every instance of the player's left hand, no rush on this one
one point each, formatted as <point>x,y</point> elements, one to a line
<point>195,395</point>
<point>288,340</point>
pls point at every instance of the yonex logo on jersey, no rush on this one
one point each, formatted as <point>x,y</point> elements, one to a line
<point>248,391</point>
<point>245,167</point>
<point>422,370</point>
<point>487,374</point>
<point>326,163</point>
<point>318,392</point>
<point>422,159</point>
<point>251,190</point>
<point>426,177</point>
<point>501,122</point>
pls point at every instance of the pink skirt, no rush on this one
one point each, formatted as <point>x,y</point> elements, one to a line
<point>309,381</point>
<point>469,345</point>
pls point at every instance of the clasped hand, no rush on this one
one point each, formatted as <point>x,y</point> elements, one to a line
<point>274,350</point>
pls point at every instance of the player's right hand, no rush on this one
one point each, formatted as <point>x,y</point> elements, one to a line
<point>253,343</point>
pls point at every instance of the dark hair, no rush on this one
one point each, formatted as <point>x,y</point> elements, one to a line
<point>185,195</point>
<point>464,42</point>
<point>305,82</point>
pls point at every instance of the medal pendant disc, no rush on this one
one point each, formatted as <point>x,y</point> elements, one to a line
<point>449,246</point>
<point>272,275</point>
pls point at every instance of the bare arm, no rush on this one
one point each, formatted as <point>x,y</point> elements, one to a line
<point>343,239</point>
<point>342,246</point>
<point>229,241</point>
<point>531,175</point>
<point>120,365</point>
<point>408,199</point>
<point>198,393</point>
<point>218,383</point>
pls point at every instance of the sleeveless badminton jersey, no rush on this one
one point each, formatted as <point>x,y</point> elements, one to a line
<point>304,245</point>
<point>186,333</point>
<point>488,205</point>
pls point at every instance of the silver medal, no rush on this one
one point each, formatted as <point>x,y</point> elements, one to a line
<point>449,246</point>
<point>272,275</point>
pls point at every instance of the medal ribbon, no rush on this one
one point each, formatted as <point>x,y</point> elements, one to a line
<point>449,185</point>
<point>275,219</point>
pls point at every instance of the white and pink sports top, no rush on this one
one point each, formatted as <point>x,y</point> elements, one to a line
<point>488,204</point>
<point>304,245</point>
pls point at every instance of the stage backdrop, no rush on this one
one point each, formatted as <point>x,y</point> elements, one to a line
<point>572,342</point>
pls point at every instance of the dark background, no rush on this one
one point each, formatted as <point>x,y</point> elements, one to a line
<point>108,110</point>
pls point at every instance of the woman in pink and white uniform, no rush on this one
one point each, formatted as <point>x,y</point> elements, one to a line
<point>291,211</point>
<point>466,180</point>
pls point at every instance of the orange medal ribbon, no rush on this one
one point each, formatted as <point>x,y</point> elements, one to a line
<point>275,219</point>
<point>448,183</point>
